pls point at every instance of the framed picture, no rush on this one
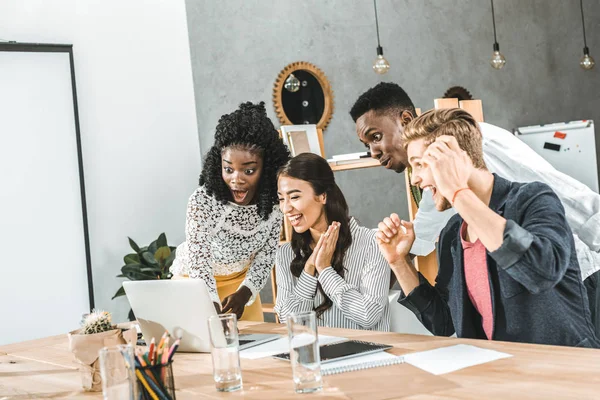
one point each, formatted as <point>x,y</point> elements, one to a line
<point>303,139</point>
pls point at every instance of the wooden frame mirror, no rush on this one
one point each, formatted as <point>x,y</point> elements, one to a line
<point>302,95</point>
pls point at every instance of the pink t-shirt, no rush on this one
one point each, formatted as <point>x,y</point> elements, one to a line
<point>477,280</point>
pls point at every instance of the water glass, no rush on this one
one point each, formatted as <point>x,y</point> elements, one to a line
<point>117,369</point>
<point>225,352</point>
<point>304,352</point>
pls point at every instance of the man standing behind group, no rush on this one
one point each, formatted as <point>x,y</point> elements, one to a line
<point>381,114</point>
<point>507,263</point>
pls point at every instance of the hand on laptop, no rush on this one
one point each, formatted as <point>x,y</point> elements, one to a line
<point>235,302</point>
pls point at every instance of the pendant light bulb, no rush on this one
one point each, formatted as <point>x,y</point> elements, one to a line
<point>587,62</point>
<point>498,61</point>
<point>380,65</point>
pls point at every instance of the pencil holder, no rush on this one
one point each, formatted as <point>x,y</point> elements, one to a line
<point>156,381</point>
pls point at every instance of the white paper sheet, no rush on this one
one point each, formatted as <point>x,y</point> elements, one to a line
<point>452,358</point>
<point>281,346</point>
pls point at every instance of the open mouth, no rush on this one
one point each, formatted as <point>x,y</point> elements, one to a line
<point>432,188</point>
<point>386,162</point>
<point>239,195</point>
<point>295,219</point>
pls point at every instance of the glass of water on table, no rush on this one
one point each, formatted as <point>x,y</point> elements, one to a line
<point>225,352</point>
<point>304,351</point>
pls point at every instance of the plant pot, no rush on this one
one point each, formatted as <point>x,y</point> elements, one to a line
<point>85,349</point>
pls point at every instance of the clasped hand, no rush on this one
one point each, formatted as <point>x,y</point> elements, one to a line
<point>322,254</point>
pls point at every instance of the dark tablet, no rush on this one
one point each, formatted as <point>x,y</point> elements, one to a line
<point>342,350</point>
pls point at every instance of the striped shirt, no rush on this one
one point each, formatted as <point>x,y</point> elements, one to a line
<point>360,298</point>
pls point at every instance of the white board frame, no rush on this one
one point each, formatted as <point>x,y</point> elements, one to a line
<point>53,260</point>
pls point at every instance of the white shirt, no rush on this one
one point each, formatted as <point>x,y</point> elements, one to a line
<point>360,298</point>
<point>509,157</point>
<point>222,239</point>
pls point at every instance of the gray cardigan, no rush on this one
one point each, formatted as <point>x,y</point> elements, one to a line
<point>535,280</point>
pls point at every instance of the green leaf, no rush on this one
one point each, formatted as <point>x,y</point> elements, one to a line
<point>153,246</point>
<point>134,245</point>
<point>149,258</point>
<point>139,276</point>
<point>143,249</point>
<point>170,259</point>
<point>132,258</point>
<point>153,270</point>
<point>121,276</point>
<point>161,241</point>
<point>162,254</point>
<point>120,292</point>
<point>132,267</point>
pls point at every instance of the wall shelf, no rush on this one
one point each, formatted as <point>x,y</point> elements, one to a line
<point>362,163</point>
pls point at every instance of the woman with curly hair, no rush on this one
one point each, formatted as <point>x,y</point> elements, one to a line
<point>332,265</point>
<point>233,222</point>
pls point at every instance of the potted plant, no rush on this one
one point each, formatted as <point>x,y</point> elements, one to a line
<point>96,332</point>
<point>147,263</point>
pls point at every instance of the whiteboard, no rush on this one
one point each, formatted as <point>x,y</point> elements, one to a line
<point>45,281</point>
<point>569,146</point>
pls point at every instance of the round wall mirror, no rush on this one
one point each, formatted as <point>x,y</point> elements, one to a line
<point>302,95</point>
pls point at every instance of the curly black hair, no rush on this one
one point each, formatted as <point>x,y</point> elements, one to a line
<point>386,97</point>
<point>250,129</point>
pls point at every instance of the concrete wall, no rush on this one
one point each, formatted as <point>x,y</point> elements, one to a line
<point>239,47</point>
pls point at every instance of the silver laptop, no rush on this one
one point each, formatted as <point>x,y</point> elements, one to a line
<point>179,306</point>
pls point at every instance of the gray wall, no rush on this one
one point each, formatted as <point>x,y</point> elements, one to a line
<point>238,48</point>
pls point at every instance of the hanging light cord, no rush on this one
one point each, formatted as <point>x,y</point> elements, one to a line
<point>494,22</point>
<point>582,23</point>
<point>376,22</point>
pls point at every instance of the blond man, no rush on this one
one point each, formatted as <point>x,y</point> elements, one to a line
<point>508,267</point>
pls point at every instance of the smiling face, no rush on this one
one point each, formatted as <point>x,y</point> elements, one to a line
<point>382,134</point>
<point>241,171</point>
<point>301,205</point>
<point>422,175</point>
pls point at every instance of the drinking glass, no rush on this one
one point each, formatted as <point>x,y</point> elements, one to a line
<point>304,352</point>
<point>117,369</point>
<point>225,352</point>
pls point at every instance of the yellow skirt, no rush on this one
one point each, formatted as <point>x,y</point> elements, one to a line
<point>228,284</point>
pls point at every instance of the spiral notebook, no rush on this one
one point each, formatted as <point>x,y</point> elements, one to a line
<point>374,360</point>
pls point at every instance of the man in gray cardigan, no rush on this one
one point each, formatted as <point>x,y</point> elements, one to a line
<point>508,267</point>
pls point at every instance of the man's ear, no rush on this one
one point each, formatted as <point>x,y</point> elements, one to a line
<point>406,117</point>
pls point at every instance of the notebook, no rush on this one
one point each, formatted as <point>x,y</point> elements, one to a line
<point>373,360</point>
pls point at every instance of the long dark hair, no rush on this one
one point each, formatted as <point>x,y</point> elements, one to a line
<point>246,128</point>
<point>315,170</point>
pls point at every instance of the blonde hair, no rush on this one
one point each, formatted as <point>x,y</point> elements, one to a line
<point>451,122</point>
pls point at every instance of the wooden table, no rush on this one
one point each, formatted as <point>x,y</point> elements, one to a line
<point>45,369</point>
